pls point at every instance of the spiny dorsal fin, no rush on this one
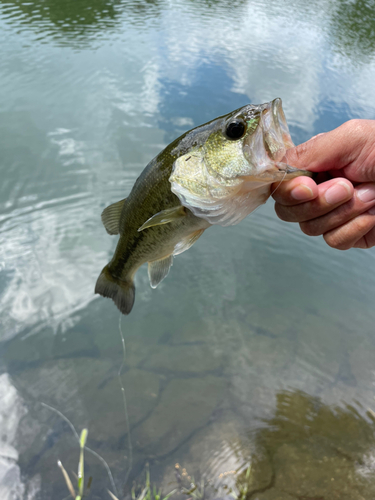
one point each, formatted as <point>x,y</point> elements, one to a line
<point>158,270</point>
<point>164,217</point>
<point>111,217</point>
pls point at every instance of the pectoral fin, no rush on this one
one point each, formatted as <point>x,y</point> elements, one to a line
<point>187,242</point>
<point>111,217</point>
<point>158,270</point>
<point>164,217</point>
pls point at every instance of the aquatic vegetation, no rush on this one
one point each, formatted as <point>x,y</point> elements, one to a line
<point>82,444</point>
<point>186,485</point>
<point>148,492</point>
<point>81,471</point>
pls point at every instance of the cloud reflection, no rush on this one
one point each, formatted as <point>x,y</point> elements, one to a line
<point>172,75</point>
<point>12,410</point>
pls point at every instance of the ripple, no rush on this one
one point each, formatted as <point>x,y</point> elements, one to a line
<point>50,264</point>
<point>90,93</point>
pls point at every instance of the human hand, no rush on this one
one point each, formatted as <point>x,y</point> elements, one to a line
<point>341,204</point>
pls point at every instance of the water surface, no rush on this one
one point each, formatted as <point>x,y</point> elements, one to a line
<point>258,348</point>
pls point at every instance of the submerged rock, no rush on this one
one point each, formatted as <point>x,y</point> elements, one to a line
<point>275,494</point>
<point>185,406</point>
<point>315,451</point>
<point>181,358</point>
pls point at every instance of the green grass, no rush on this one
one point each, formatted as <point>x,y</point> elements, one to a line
<point>149,492</point>
<point>146,490</point>
<point>81,470</point>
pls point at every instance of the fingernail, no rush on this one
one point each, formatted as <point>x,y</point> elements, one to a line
<point>371,211</point>
<point>339,192</point>
<point>366,193</point>
<point>301,192</point>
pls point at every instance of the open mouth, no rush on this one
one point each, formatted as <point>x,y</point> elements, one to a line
<point>276,136</point>
<point>266,147</point>
<point>227,199</point>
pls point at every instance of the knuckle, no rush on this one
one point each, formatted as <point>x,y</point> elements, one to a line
<point>358,130</point>
<point>282,212</point>
<point>369,239</point>
<point>355,123</point>
<point>300,152</point>
<point>335,241</point>
<point>359,225</point>
<point>362,243</point>
<point>279,193</point>
<point>355,126</point>
<point>346,236</point>
<point>311,228</point>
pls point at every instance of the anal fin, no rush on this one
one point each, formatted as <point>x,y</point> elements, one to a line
<point>158,270</point>
<point>111,217</point>
<point>164,217</point>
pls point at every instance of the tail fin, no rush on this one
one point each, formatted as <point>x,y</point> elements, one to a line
<point>121,292</point>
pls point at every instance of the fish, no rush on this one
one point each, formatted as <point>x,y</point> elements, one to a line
<point>216,173</point>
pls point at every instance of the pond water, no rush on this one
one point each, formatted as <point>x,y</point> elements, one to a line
<point>252,365</point>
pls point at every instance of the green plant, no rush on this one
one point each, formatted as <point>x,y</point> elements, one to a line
<point>148,492</point>
<point>81,470</point>
<point>243,486</point>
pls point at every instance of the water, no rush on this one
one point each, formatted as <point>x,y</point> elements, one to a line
<point>258,348</point>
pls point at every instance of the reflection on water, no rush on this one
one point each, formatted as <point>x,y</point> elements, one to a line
<point>260,343</point>
<point>76,22</point>
<point>310,450</point>
<point>210,412</point>
<point>353,29</point>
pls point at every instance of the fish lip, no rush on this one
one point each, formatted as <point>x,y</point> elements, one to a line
<point>279,118</point>
<point>277,173</point>
<point>267,145</point>
<point>276,128</point>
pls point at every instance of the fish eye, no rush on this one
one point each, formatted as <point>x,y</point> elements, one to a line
<point>235,130</point>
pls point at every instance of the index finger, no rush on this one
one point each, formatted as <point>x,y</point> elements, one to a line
<point>295,191</point>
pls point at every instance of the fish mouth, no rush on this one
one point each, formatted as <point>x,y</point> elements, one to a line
<point>275,130</point>
<point>266,147</point>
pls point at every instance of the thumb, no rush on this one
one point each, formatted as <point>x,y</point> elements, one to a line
<point>333,150</point>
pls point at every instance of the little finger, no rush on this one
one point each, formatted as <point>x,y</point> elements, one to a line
<point>347,235</point>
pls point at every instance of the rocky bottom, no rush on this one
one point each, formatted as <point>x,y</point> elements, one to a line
<point>249,411</point>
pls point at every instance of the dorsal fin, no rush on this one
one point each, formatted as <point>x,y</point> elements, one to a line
<point>111,217</point>
<point>158,270</point>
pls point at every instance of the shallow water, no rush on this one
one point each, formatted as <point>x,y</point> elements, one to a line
<point>258,348</point>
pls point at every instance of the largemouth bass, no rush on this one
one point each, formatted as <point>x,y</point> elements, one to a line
<point>216,173</point>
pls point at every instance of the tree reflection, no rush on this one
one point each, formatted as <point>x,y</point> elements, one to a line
<point>351,25</point>
<point>311,450</point>
<point>353,29</point>
<point>76,19</point>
